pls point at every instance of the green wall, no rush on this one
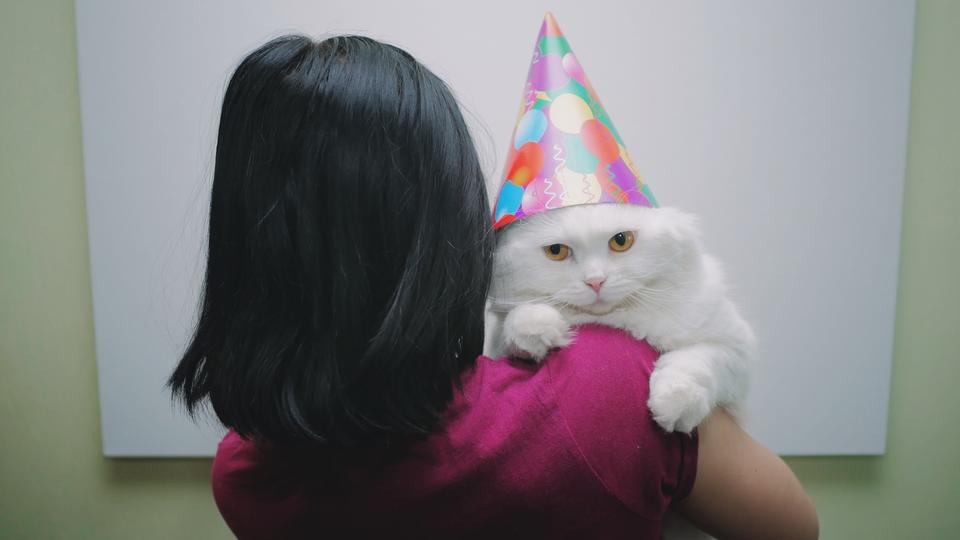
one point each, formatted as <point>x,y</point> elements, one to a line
<point>54,482</point>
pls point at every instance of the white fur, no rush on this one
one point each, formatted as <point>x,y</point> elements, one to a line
<point>663,289</point>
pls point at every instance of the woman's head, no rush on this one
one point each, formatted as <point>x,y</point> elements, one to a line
<point>349,248</point>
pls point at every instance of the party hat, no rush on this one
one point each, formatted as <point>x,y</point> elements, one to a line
<point>565,150</point>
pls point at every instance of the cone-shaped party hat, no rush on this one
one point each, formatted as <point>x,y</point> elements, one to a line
<point>565,150</point>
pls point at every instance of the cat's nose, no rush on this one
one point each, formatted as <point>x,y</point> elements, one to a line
<point>595,283</point>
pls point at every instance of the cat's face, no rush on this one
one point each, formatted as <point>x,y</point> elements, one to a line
<point>593,258</point>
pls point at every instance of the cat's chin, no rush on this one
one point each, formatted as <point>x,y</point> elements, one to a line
<point>598,309</point>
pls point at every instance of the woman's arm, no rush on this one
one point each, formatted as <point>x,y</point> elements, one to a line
<point>743,490</point>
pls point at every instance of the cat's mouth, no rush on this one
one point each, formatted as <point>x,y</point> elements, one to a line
<point>598,308</point>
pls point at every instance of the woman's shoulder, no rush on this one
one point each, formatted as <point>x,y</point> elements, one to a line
<point>603,355</point>
<point>257,487</point>
<point>600,385</point>
<point>604,369</point>
<point>601,380</point>
<point>604,366</point>
<point>239,461</point>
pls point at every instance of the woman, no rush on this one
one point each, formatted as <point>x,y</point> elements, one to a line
<point>342,320</point>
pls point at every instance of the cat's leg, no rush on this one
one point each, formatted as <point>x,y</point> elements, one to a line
<point>688,382</point>
<point>493,333</point>
<point>531,330</point>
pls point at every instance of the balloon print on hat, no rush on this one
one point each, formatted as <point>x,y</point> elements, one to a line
<point>531,127</point>
<point>579,188</point>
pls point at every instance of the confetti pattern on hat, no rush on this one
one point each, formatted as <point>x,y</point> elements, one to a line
<point>565,150</point>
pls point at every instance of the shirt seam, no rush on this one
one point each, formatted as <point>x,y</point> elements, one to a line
<point>579,451</point>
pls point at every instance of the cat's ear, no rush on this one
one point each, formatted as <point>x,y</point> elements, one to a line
<point>677,227</point>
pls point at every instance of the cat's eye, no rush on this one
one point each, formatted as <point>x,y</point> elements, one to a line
<point>621,241</point>
<point>557,252</point>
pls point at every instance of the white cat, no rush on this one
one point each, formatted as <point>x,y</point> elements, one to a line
<point>631,267</point>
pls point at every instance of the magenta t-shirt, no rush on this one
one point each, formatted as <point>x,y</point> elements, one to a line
<point>566,449</point>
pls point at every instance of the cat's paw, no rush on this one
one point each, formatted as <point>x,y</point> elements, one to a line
<point>531,330</point>
<point>677,401</point>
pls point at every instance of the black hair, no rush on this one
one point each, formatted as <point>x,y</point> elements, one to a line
<point>350,248</point>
